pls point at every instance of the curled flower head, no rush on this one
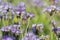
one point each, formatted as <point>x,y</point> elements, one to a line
<point>20,7</point>
<point>5,7</point>
<point>21,4</point>
<point>50,9</point>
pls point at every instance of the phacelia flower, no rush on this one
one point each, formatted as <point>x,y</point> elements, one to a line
<point>13,30</point>
<point>50,9</point>
<point>56,30</point>
<point>20,8</point>
<point>8,38</point>
<point>30,36</point>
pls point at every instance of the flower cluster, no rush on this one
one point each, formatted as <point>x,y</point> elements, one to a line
<point>11,31</point>
<point>15,18</point>
<point>52,9</point>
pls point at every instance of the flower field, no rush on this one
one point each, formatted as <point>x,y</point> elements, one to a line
<point>29,19</point>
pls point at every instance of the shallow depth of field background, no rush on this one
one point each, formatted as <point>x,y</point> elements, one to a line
<point>39,17</point>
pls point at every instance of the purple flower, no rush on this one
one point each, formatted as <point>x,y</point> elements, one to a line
<point>58,28</point>
<point>30,36</point>
<point>34,28</point>
<point>24,17</point>
<point>12,9</point>
<point>16,25</point>
<point>56,1</point>
<point>9,27</point>
<point>55,30</point>
<point>17,32</point>
<point>13,30</point>
<point>6,7</point>
<point>8,38</point>
<point>58,9</point>
<point>2,29</point>
<point>30,15</point>
<point>20,7</point>
<point>49,8</point>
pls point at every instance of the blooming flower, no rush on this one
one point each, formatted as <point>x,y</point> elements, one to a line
<point>20,7</point>
<point>50,9</point>
<point>58,28</point>
<point>8,38</point>
<point>30,36</point>
<point>13,30</point>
